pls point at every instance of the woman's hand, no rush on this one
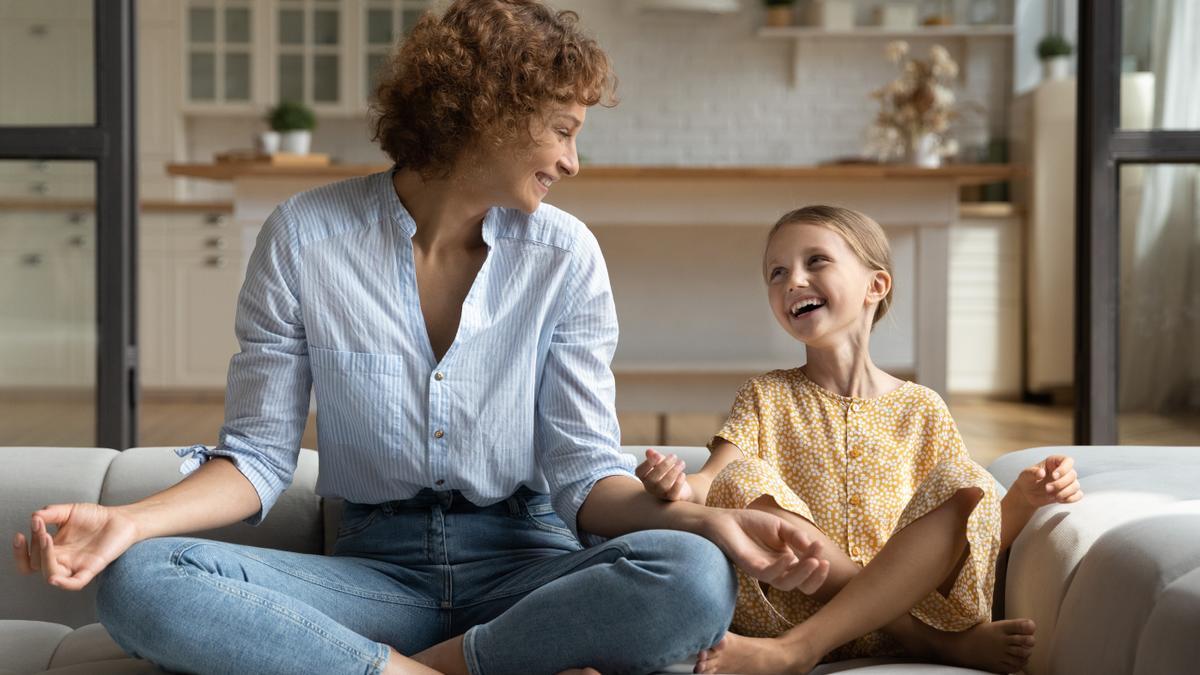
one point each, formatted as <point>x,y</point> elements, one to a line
<point>664,477</point>
<point>89,537</point>
<point>1052,480</point>
<point>769,549</point>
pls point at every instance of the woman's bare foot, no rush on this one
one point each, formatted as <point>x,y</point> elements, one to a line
<point>751,656</point>
<point>998,646</point>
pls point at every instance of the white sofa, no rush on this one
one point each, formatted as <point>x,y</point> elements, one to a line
<point>1113,582</point>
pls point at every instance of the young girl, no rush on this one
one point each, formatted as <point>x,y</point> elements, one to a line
<point>871,467</point>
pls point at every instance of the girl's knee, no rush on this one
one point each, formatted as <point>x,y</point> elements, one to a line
<point>964,501</point>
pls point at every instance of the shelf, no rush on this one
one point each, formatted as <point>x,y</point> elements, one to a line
<point>799,35</point>
<point>805,32</point>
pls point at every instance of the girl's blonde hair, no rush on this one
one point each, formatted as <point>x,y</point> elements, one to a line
<point>864,236</point>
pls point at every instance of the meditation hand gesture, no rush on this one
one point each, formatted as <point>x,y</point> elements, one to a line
<point>1052,480</point>
<point>89,537</point>
<point>770,550</point>
<point>664,477</point>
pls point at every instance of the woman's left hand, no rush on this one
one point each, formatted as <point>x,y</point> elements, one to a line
<point>1051,481</point>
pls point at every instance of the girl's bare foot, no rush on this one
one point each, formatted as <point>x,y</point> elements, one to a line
<point>751,656</point>
<point>998,646</point>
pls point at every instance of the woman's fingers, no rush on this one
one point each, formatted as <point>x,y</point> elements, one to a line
<point>21,554</point>
<point>74,582</point>
<point>49,564</point>
<point>36,528</point>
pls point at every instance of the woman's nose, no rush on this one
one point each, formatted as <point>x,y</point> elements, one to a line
<point>569,162</point>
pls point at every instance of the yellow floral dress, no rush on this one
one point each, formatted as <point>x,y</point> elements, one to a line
<point>860,470</point>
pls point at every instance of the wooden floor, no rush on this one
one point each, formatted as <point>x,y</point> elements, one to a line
<point>990,428</point>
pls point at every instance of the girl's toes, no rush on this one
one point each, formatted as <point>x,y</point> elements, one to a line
<point>1021,627</point>
<point>1021,640</point>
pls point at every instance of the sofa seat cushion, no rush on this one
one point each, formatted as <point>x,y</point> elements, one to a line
<point>28,646</point>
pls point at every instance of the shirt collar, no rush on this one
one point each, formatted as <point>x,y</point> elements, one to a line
<point>394,209</point>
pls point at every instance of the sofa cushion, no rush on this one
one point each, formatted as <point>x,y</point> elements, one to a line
<point>293,524</point>
<point>46,476</point>
<point>88,644</point>
<point>1126,487</point>
<point>27,646</point>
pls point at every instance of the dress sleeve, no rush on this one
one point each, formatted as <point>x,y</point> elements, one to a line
<point>267,392</point>
<point>577,436</point>
<point>741,428</point>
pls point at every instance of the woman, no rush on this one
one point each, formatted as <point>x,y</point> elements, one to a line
<point>457,334</point>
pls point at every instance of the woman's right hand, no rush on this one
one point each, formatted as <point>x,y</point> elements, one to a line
<point>89,537</point>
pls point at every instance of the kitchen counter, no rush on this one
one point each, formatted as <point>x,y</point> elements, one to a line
<point>149,205</point>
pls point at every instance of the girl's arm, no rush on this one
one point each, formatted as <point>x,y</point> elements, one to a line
<point>1015,512</point>
<point>1051,481</point>
<point>723,452</point>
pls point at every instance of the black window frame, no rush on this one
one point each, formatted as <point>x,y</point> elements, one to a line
<point>1102,149</point>
<point>111,144</point>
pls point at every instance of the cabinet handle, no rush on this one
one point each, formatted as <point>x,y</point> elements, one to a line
<point>31,260</point>
<point>76,241</point>
<point>214,219</point>
<point>75,219</point>
<point>38,30</point>
<point>215,242</point>
<point>41,166</point>
<point>215,261</point>
<point>39,188</point>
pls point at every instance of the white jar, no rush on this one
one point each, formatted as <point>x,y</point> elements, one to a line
<point>295,142</point>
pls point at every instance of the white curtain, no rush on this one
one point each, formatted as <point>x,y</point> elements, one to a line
<point>1160,273</point>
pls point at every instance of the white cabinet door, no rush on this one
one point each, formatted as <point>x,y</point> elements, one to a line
<point>34,321</point>
<point>46,72</point>
<point>205,288</point>
<point>154,340</point>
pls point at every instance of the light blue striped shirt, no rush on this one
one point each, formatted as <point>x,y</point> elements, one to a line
<point>523,397</point>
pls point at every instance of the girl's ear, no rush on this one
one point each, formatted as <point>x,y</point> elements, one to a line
<point>881,284</point>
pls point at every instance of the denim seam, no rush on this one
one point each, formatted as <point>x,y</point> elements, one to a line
<point>283,612</point>
<point>473,666</point>
<point>317,581</point>
<point>524,590</point>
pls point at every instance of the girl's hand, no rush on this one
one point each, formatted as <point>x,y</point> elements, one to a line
<point>1050,481</point>
<point>89,537</point>
<point>664,477</point>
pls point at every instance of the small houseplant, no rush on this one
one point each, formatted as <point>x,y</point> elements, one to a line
<point>294,122</point>
<point>915,109</point>
<point>779,12</point>
<point>1055,54</point>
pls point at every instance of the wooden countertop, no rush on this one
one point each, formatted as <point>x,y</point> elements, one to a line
<point>963,174</point>
<point>88,205</point>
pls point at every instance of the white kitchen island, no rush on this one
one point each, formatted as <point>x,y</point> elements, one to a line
<point>684,246</point>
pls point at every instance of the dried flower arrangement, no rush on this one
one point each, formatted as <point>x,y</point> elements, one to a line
<point>916,108</point>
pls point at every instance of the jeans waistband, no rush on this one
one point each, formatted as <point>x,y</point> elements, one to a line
<point>453,501</point>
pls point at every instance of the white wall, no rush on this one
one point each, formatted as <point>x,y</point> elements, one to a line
<point>704,89</point>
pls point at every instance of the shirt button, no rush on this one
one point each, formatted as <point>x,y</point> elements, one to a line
<point>440,482</point>
<point>854,453</point>
<point>856,407</point>
<point>439,433</point>
<point>855,500</point>
<point>439,376</point>
<point>855,552</point>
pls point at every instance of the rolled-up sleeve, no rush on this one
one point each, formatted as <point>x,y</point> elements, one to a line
<point>267,392</point>
<point>577,434</point>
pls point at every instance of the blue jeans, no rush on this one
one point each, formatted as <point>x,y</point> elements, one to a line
<point>413,573</point>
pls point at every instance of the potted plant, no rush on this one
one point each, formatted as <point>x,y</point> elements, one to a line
<point>1055,53</point>
<point>294,122</point>
<point>779,12</point>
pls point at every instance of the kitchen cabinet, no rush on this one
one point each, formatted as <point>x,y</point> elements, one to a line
<point>191,267</point>
<point>60,89</point>
<point>47,299</point>
<point>219,38</point>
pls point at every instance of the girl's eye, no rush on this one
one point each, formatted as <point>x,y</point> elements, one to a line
<point>817,259</point>
<point>776,272</point>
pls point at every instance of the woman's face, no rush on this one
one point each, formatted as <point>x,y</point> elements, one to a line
<point>819,289</point>
<point>518,175</point>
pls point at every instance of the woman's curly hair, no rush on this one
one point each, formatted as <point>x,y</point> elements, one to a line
<point>478,75</point>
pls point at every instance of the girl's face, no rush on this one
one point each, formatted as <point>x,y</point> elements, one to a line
<point>819,289</point>
<point>520,176</point>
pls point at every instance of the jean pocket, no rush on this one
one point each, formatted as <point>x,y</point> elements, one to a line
<point>356,518</point>
<point>539,513</point>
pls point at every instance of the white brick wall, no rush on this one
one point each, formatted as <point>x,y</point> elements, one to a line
<point>704,89</point>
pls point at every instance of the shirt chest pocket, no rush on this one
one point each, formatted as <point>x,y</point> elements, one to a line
<point>360,397</point>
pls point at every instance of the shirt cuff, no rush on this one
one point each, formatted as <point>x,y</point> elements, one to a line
<point>195,456</point>
<point>587,538</point>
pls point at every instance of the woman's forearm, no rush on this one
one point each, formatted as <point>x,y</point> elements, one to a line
<point>1015,512</point>
<point>214,495</point>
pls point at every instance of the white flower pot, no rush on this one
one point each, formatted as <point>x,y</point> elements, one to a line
<point>267,143</point>
<point>295,142</point>
<point>924,151</point>
<point>1056,68</point>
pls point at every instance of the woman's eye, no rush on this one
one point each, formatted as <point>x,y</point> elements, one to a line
<point>564,133</point>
